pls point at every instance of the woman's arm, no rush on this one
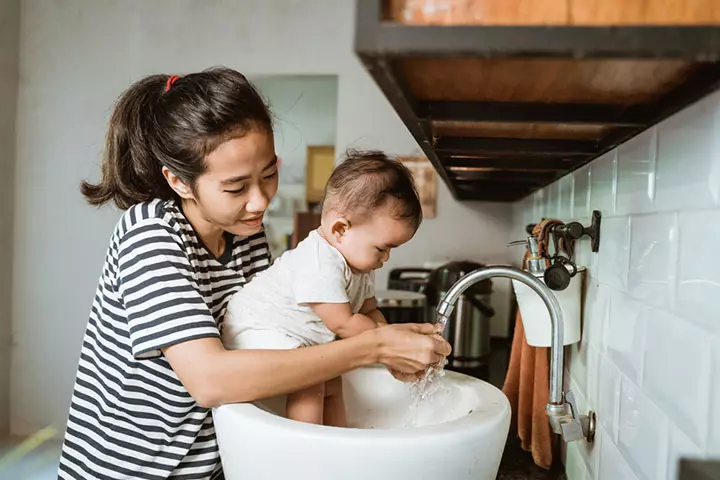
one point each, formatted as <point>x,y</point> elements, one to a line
<point>215,376</point>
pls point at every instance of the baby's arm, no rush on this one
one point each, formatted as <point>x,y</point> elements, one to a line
<point>338,317</point>
<point>370,309</point>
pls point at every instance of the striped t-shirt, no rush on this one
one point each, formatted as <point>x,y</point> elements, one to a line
<point>130,416</point>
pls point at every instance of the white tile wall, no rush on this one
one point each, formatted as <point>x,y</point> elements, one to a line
<point>649,360</point>
<point>653,259</point>
<point>603,183</point>
<point>612,464</point>
<point>608,397</point>
<point>614,256</point>
<point>698,286</point>
<point>636,173</point>
<point>680,447</point>
<point>677,372</point>
<point>714,444</point>
<point>625,334</point>
<point>642,432</point>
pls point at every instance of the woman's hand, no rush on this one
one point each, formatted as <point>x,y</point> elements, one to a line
<point>408,349</point>
<point>406,377</point>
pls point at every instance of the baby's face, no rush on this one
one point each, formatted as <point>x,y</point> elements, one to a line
<point>366,246</point>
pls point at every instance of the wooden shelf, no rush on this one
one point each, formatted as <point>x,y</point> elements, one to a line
<point>502,109</point>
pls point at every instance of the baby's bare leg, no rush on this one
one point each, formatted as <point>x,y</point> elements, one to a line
<point>334,414</point>
<point>307,405</point>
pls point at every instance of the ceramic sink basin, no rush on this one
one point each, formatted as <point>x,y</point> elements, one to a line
<point>458,433</point>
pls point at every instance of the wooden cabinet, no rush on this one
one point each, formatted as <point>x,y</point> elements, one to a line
<point>507,96</point>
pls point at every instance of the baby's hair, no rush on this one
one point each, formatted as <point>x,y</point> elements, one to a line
<point>368,180</point>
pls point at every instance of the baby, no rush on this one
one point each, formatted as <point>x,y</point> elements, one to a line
<point>323,289</point>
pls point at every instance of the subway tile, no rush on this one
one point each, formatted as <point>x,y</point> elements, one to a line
<point>588,451</point>
<point>688,158</point>
<point>698,285</point>
<point>625,334</point>
<point>552,209</point>
<point>581,193</point>
<point>612,464</point>
<point>614,254</point>
<point>636,174</point>
<point>583,252</point>
<point>578,363</point>
<point>609,397</point>
<point>565,200</point>
<point>595,309</point>
<point>593,377</point>
<point>642,433</point>
<point>603,183</point>
<point>714,442</point>
<point>677,372</point>
<point>653,258</point>
<point>575,468</point>
<point>680,447</point>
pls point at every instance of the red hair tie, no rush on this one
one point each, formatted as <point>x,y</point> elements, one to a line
<point>171,81</point>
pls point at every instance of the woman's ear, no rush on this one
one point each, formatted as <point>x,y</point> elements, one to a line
<point>339,228</point>
<point>178,186</point>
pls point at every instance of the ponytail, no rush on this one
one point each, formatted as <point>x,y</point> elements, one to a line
<point>174,122</point>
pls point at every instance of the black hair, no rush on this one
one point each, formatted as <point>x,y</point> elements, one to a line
<point>174,122</point>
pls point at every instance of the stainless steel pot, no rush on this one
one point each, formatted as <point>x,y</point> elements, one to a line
<point>469,331</point>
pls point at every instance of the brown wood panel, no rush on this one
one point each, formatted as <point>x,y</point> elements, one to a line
<point>479,12</point>
<point>644,12</point>
<point>619,81</point>
<point>553,12</point>
<point>519,130</point>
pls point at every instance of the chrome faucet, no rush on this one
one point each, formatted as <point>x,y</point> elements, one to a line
<point>569,424</point>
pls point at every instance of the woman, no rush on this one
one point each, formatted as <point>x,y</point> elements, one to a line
<point>192,162</point>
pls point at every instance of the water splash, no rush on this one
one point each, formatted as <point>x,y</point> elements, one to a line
<point>422,390</point>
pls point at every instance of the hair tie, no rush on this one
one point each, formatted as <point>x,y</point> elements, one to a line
<point>170,81</point>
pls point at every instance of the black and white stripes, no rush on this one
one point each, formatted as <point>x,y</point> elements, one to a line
<point>130,417</point>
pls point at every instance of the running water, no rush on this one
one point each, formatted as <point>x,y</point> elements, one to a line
<point>423,390</point>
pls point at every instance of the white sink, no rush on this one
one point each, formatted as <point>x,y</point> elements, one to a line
<point>458,433</point>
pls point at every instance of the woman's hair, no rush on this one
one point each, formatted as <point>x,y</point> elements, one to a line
<point>173,122</point>
<point>368,180</point>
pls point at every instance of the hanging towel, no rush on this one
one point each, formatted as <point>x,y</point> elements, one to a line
<point>527,381</point>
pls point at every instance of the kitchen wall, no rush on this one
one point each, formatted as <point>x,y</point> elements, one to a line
<point>75,58</point>
<point>304,111</point>
<point>9,64</point>
<point>649,360</point>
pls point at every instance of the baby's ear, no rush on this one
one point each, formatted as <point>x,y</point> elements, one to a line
<point>339,227</point>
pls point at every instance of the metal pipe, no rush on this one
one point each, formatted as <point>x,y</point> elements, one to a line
<point>446,306</point>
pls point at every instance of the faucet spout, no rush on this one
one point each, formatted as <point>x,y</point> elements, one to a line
<point>561,421</point>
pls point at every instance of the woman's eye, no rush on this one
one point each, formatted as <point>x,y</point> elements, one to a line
<point>272,175</point>
<point>235,192</point>
<point>381,250</point>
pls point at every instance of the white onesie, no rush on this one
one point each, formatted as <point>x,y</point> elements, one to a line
<point>271,311</point>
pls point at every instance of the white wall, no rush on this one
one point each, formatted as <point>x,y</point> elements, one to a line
<point>76,57</point>
<point>305,114</point>
<point>9,68</point>
<point>649,360</point>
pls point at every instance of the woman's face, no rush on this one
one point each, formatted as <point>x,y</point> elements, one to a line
<point>240,180</point>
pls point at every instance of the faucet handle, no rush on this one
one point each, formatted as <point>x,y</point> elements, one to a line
<point>581,426</point>
<point>570,399</point>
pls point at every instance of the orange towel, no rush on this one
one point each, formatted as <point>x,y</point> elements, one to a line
<point>527,382</point>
